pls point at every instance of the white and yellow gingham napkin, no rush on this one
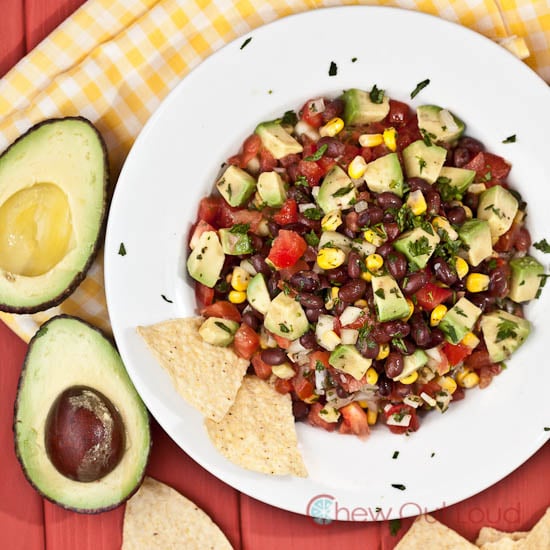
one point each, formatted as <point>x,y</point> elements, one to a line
<point>113,61</point>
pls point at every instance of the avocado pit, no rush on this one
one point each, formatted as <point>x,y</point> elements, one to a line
<point>84,434</point>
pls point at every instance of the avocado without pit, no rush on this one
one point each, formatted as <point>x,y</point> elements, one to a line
<point>81,430</point>
<point>53,195</point>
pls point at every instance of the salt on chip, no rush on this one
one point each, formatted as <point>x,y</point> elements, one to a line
<point>158,517</point>
<point>258,432</point>
<point>490,534</point>
<point>427,532</point>
<point>206,376</point>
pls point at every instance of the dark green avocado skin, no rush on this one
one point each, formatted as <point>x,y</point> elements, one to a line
<point>144,435</point>
<point>79,277</point>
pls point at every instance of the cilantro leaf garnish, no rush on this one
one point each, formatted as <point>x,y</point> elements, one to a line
<point>333,69</point>
<point>318,154</point>
<point>510,139</point>
<point>223,326</point>
<point>395,526</point>
<point>543,246</point>
<point>289,118</point>
<point>313,214</point>
<point>376,95</point>
<point>506,329</point>
<point>122,250</point>
<point>245,43</point>
<point>420,246</point>
<point>419,87</point>
<point>240,228</point>
<point>311,238</point>
<point>399,486</point>
<point>343,191</point>
<point>166,299</point>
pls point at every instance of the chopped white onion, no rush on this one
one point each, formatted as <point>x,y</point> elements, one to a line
<point>412,400</point>
<point>303,128</point>
<point>320,381</point>
<point>360,206</point>
<point>306,206</point>
<point>447,120</point>
<point>429,399</point>
<point>248,267</point>
<point>404,421</point>
<point>349,336</point>
<point>317,105</point>
<point>350,315</point>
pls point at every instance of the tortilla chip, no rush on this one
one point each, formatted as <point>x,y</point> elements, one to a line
<point>539,536</point>
<point>157,516</point>
<point>258,433</point>
<point>427,532</point>
<point>504,544</point>
<point>206,376</point>
<point>489,534</point>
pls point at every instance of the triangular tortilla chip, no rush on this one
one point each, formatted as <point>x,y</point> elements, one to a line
<point>490,534</point>
<point>158,517</point>
<point>539,537</point>
<point>206,376</point>
<point>258,432</point>
<point>427,532</point>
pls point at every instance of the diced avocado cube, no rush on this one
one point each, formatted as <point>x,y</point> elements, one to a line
<point>277,140</point>
<point>526,278</point>
<point>329,414</point>
<point>499,207</point>
<point>459,320</point>
<point>337,191</point>
<point>218,331</point>
<point>385,174</point>
<point>271,189</point>
<point>418,245</point>
<point>235,243</point>
<point>439,124</point>
<point>413,362</point>
<point>348,359</point>
<point>257,294</point>
<point>359,108</point>
<point>285,317</point>
<point>235,185</point>
<point>503,333</point>
<point>333,239</point>
<point>283,371</point>
<point>476,236</point>
<point>453,182</point>
<point>206,260</point>
<point>388,299</point>
<point>423,161</point>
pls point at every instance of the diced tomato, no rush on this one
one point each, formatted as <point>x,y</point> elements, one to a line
<point>347,381</point>
<point>204,295</point>
<point>223,309</point>
<point>315,419</point>
<point>486,374</point>
<point>355,418</point>
<point>431,295</point>
<point>400,411</point>
<point>246,341</point>
<point>251,146</point>
<point>311,171</point>
<point>209,209</point>
<point>456,353</point>
<point>488,166</point>
<point>309,114</point>
<point>229,216</point>
<point>431,388</point>
<point>478,359</point>
<point>326,163</point>
<point>303,386</point>
<point>318,356</point>
<point>287,248</point>
<point>507,241</point>
<point>267,161</point>
<point>199,229</point>
<point>261,368</point>
<point>282,342</point>
<point>283,386</point>
<point>287,272</point>
<point>287,214</point>
<point>350,152</point>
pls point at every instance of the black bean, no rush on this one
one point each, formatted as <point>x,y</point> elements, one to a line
<point>354,265</point>
<point>273,284</point>
<point>251,320</point>
<point>419,183</point>
<point>300,410</point>
<point>368,347</point>
<point>437,337</point>
<point>311,225</point>
<point>387,200</point>
<point>499,281</point>
<point>309,300</point>
<point>339,307</point>
<point>307,281</point>
<point>352,290</point>
<point>341,392</point>
<point>338,275</point>
<point>394,364</point>
<point>363,218</point>
<point>396,329</point>
<point>473,145</point>
<point>396,264</point>
<point>389,216</point>
<point>471,200</point>
<point>456,215</point>
<point>405,346</point>
<point>300,194</point>
<point>414,282</point>
<point>273,356</point>
<point>385,249</point>
<point>444,272</point>
<point>379,334</point>
<point>375,215</point>
<point>308,340</point>
<point>385,386</point>
<point>433,201</point>
<point>421,334</point>
<point>257,242</point>
<point>483,300</point>
<point>313,314</point>
<point>273,228</point>
<point>335,148</point>
<point>461,157</point>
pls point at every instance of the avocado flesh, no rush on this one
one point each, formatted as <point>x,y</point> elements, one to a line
<point>53,185</point>
<point>68,352</point>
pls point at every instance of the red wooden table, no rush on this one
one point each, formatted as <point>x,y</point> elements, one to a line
<point>31,523</point>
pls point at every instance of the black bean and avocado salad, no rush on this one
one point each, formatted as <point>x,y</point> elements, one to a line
<point>369,258</point>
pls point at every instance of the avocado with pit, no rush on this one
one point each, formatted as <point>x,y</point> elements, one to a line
<point>423,161</point>
<point>53,194</point>
<point>347,358</point>
<point>525,279</point>
<point>503,333</point>
<point>81,430</point>
<point>359,108</point>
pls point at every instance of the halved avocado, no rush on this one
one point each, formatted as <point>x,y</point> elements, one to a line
<point>72,378</point>
<point>53,194</point>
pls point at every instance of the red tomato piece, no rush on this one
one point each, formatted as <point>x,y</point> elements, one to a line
<point>287,272</point>
<point>326,163</point>
<point>223,309</point>
<point>319,357</point>
<point>302,386</point>
<point>204,295</point>
<point>251,147</point>
<point>507,241</point>
<point>282,342</point>
<point>283,386</point>
<point>456,353</point>
<point>315,419</point>
<point>431,295</point>
<point>431,388</point>
<point>287,248</point>
<point>267,161</point>
<point>488,166</point>
<point>229,216</point>
<point>355,418</point>
<point>261,368</point>
<point>288,213</point>
<point>309,114</point>
<point>399,411</point>
<point>209,209</point>
<point>311,171</point>
<point>246,341</point>
<point>479,359</point>
<point>199,229</point>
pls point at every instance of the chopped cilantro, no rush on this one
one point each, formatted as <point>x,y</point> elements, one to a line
<point>376,95</point>
<point>547,428</point>
<point>420,246</point>
<point>399,486</point>
<point>432,455</point>
<point>510,139</point>
<point>223,326</point>
<point>395,525</point>
<point>399,344</point>
<point>353,59</point>
<point>343,191</point>
<point>240,228</point>
<point>284,328</point>
<point>333,69</point>
<point>245,43</point>
<point>319,366</point>
<point>301,180</point>
<point>395,454</point>
<point>427,137</point>
<point>419,87</point>
<point>506,329</point>
<point>543,246</point>
<point>421,163</point>
<point>460,311</point>
<point>318,154</point>
<point>488,176</point>
<point>289,118</point>
<point>380,293</point>
<point>311,238</point>
<point>543,279</point>
<point>166,299</point>
<point>122,250</point>
<point>313,214</point>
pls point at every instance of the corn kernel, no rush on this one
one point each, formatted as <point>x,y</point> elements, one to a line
<point>417,203</point>
<point>360,303</point>
<point>332,127</point>
<point>240,278</point>
<point>447,383</point>
<point>373,237</point>
<point>410,379</point>
<point>237,296</point>
<point>468,210</point>
<point>363,404</point>
<point>477,282</point>
<point>357,167</point>
<point>366,276</point>
<point>383,351</point>
<point>330,258</point>
<point>371,140</point>
<point>374,262</point>
<point>331,221</point>
<point>437,314</point>
<point>470,340</point>
<point>332,297</point>
<point>389,136</point>
<point>410,303</point>
<point>461,266</point>
<point>372,376</point>
<point>372,417</point>
<point>467,378</point>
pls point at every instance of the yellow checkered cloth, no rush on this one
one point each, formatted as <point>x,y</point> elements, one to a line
<point>113,61</point>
